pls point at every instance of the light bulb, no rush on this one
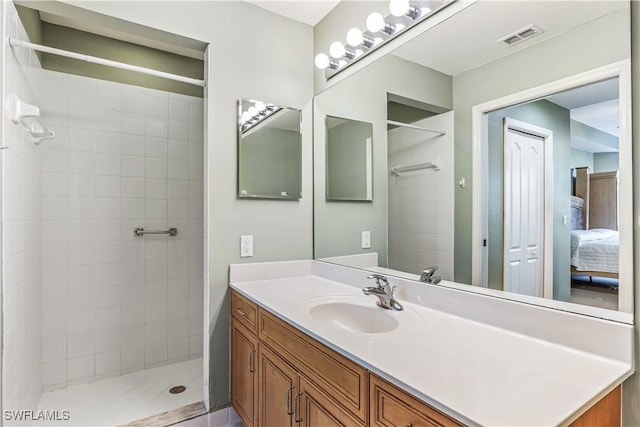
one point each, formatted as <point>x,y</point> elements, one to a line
<point>399,7</point>
<point>355,37</point>
<point>261,106</point>
<point>253,111</point>
<point>322,61</point>
<point>337,50</point>
<point>245,117</point>
<point>375,22</point>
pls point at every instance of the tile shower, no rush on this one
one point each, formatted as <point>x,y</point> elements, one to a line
<point>421,202</point>
<point>123,157</point>
<point>84,298</point>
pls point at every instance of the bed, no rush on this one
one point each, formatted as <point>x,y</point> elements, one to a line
<point>595,252</point>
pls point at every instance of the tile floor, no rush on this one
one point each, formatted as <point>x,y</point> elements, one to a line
<point>119,400</point>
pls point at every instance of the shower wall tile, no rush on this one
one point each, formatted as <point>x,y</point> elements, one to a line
<point>22,229</point>
<point>128,157</point>
<point>421,202</point>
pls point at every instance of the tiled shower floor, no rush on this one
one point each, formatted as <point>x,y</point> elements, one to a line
<point>119,400</point>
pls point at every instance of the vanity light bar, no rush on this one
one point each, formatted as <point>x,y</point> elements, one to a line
<point>379,30</point>
<point>255,114</point>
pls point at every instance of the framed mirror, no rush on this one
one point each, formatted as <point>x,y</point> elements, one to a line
<point>566,84</point>
<point>269,151</point>
<point>349,159</point>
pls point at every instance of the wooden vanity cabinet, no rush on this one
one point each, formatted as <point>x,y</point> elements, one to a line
<point>281,377</point>
<point>288,399</point>
<point>244,379</point>
<point>336,376</point>
<point>277,388</point>
<point>390,407</point>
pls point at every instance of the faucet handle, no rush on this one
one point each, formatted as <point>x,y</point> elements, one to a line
<point>378,278</point>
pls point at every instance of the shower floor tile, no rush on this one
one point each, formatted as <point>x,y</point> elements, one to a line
<point>119,400</point>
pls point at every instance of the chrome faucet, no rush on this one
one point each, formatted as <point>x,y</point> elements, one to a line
<point>383,291</point>
<point>427,276</point>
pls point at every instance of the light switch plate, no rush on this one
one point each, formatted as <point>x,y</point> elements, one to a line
<point>246,246</point>
<point>366,239</point>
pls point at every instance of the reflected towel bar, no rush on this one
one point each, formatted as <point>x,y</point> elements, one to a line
<point>397,170</point>
<point>141,231</point>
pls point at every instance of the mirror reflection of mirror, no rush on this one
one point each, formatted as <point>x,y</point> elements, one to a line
<point>349,160</point>
<point>440,223</point>
<point>269,151</point>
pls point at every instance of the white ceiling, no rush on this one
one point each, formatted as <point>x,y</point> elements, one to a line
<point>309,12</point>
<point>595,105</point>
<point>469,44</point>
<point>464,42</point>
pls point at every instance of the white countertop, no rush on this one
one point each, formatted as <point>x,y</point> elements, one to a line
<point>478,373</point>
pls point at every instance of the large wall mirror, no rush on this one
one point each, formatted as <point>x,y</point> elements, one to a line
<point>507,165</point>
<point>269,151</point>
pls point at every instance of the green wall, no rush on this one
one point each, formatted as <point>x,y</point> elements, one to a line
<point>91,44</point>
<point>66,38</point>
<point>606,162</point>
<point>555,118</point>
<point>581,158</point>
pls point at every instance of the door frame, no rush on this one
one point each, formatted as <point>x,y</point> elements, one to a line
<point>547,228</point>
<point>622,70</point>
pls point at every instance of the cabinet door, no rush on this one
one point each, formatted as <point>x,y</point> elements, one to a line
<point>277,387</point>
<point>313,408</point>
<point>243,373</point>
<point>391,407</point>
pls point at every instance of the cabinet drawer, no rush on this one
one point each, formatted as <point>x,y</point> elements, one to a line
<point>244,310</point>
<point>392,407</point>
<point>336,375</point>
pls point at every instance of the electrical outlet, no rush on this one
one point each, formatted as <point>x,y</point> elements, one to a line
<point>246,246</point>
<point>366,239</point>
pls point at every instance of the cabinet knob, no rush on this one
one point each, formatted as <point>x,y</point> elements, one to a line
<point>409,425</point>
<point>241,311</point>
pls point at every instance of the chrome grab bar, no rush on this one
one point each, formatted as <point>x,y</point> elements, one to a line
<point>141,231</point>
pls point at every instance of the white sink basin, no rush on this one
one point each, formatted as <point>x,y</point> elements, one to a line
<point>354,317</point>
<point>352,314</point>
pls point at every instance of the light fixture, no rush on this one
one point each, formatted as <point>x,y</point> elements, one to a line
<point>377,24</point>
<point>338,51</point>
<point>403,15</point>
<point>323,62</point>
<point>355,38</point>
<point>400,8</point>
<point>28,116</point>
<point>255,113</point>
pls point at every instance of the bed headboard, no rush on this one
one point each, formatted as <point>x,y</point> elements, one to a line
<point>599,192</point>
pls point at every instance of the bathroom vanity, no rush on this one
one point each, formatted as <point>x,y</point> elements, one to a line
<point>309,348</point>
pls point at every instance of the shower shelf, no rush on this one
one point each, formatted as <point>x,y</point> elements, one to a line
<point>28,116</point>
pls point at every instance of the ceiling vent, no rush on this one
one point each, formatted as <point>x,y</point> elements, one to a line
<point>521,35</point>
